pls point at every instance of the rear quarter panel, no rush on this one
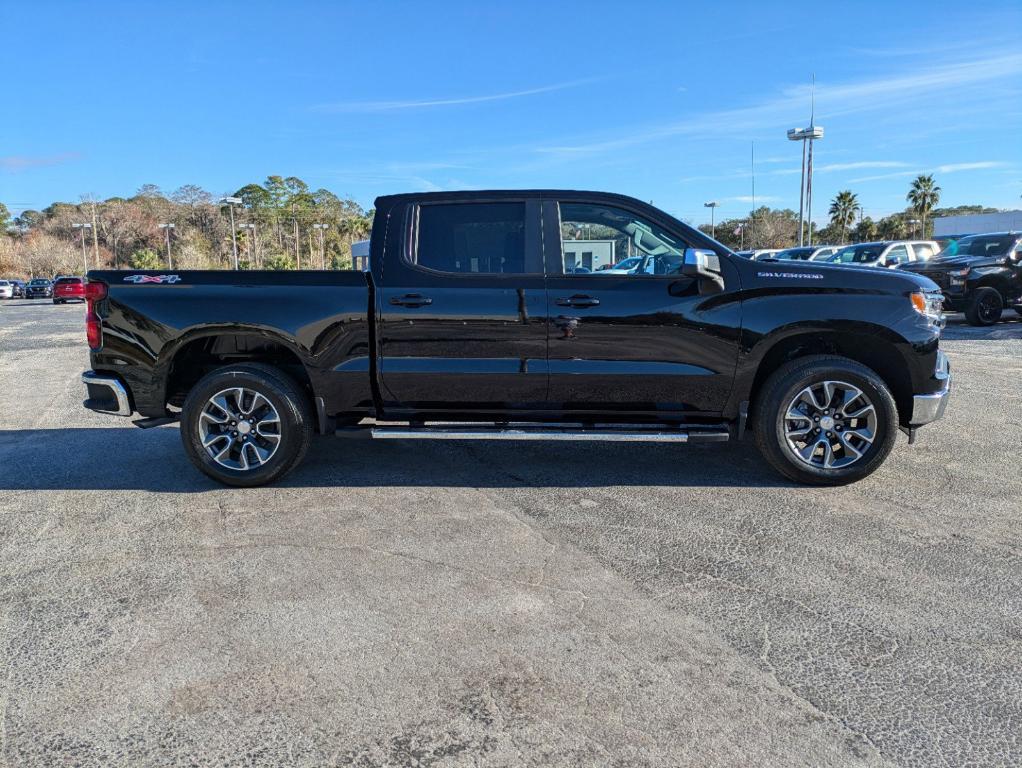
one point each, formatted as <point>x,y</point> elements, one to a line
<point>320,316</point>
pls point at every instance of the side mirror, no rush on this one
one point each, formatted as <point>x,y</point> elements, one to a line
<point>1017,256</point>
<point>702,264</point>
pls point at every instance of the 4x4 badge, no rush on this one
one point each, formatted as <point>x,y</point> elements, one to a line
<point>136,279</point>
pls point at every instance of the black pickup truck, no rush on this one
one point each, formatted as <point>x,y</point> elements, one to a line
<point>980,275</point>
<point>484,315</point>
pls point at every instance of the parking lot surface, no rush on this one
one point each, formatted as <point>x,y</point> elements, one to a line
<point>504,604</point>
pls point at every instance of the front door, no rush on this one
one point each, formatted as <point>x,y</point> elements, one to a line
<point>635,337</point>
<point>462,309</point>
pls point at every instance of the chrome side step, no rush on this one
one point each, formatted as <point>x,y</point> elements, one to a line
<point>623,433</point>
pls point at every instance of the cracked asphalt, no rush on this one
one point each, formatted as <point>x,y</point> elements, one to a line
<point>450,604</point>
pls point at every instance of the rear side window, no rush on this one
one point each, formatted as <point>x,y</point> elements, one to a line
<point>471,238</point>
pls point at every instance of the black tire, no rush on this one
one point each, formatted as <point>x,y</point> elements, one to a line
<point>784,384</point>
<point>57,301</point>
<point>1018,310</point>
<point>284,394</point>
<point>985,307</point>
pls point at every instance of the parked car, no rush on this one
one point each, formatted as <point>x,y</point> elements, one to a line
<point>6,290</point>
<point>807,253</point>
<point>759,253</point>
<point>39,288</point>
<point>887,253</point>
<point>979,275</point>
<point>650,264</point>
<point>19,288</point>
<point>467,326</point>
<point>67,289</point>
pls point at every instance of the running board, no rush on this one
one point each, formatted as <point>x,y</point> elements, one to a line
<point>623,433</point>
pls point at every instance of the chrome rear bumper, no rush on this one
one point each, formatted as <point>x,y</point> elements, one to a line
<point>106,394</point>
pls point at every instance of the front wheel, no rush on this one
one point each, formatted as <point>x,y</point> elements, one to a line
<point>825,420</point>
<point>985,307</point>
<point>246,425</point>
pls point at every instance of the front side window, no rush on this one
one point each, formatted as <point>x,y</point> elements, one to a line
<point>601,239</point>
<point>471,238</point>
<point>923,251</point>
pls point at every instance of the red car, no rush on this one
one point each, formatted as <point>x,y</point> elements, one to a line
<point>68,289</point>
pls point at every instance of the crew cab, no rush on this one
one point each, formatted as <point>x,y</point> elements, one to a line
<point>467,326</point>
<point>979,275</point>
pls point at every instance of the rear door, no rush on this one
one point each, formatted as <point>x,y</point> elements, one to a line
<point>645,342</point>
<point>462,308</point>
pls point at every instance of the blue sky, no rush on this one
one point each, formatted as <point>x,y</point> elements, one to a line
<point>658,100</point>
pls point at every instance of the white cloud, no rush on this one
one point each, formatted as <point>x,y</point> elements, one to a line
<point>951,168</point>
<point>880,94</point>
<point>388,106</point>
<point>15,163</point>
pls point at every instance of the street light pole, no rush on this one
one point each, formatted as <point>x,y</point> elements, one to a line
<point>231,202</point>
<point>712,205</point>
<point>85,259</point>
<point>322,249</point>
<point>166,228</point>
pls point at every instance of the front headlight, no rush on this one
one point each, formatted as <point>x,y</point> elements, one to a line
<point>929,305</point>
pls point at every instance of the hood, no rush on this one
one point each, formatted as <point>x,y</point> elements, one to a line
<point>850,276</point>
<point>957,262</point>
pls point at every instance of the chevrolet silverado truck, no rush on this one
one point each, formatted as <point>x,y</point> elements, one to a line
<point>468,325</point>
<point>980,275</point>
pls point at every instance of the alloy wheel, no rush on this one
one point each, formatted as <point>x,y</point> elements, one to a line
<point>239,428</point>
<point>830,425</point>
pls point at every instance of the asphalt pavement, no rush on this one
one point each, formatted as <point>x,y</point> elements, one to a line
<point>503,604</point>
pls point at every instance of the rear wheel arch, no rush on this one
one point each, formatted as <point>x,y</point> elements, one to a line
<point>865,349</point>
<point>199,355</point>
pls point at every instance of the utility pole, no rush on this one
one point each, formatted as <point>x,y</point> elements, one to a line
<point>85,259</point>
<point>805,192</point>
<point>95,237</point>
<point>166,228</point>
<point>298,245</point>
<point>322,247</point>
<point>231,202</point>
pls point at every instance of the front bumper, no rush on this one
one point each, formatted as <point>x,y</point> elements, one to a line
<point>930,407</point>
<point>106,394</point>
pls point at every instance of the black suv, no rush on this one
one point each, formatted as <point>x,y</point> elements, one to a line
<point>39,288</point>
<point>979,275</point>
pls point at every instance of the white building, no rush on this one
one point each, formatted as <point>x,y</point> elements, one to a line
<point>588,254</point>
<point>976,223</point>
<point>360,255</point>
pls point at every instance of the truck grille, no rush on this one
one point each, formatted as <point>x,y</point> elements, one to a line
<point>940,278</point>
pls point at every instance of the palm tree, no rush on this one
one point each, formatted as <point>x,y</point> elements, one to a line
<point>923,196</point>
<point>842,211</point>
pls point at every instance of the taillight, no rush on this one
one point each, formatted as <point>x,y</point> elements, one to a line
<point>93,325</point>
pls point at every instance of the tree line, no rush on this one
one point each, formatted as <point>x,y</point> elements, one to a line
<point>778,228</point>
<point>275,227</point>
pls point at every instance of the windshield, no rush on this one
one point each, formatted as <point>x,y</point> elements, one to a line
<point>630,263</point>
<point>979,245</point>
<point>793,254</point>
<point>39,281</point>
<point>859,254</point>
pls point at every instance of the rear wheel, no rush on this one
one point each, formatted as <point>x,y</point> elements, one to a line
<point>246,425</point>
<point>985,307</point>
<point>825,420</point>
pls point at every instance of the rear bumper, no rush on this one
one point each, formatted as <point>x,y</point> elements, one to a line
<point>106,394</point>
<point>930,407</point>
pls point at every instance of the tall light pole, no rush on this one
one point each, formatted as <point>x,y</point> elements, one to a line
<point>85,259</point>
<point>712,205</point>
<point>166,228</point>
<point>251,243</point>
<point>231,202</point>
<point>805,192</point>
<point>322,248</point>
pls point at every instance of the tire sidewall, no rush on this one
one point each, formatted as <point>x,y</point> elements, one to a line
<point>293,426</point>
<point>986,292</point>
<point>796,380</point>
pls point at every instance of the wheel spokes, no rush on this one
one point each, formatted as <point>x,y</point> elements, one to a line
<point>239,428</point>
